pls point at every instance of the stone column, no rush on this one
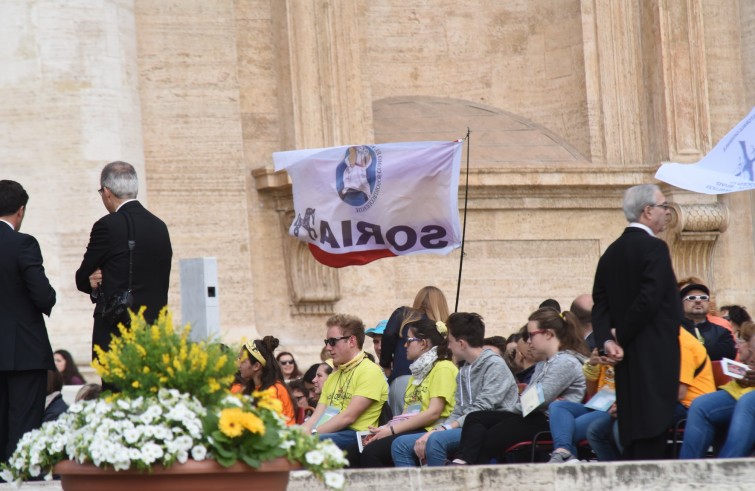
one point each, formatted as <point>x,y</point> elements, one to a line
<point>325,97</point>
<point>324,100</point>
<point>70,104</point>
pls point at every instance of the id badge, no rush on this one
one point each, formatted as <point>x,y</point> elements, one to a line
<point>413,409</point>
<point>531,399</point>
<point>329,413</point>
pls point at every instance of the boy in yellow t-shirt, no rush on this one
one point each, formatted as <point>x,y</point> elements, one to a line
<point>353,396</point>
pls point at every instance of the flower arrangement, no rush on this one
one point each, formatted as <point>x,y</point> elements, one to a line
<point>173,406</point>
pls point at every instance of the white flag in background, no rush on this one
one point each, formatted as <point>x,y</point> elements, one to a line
<point>355,204</point>
<point>727,168</point>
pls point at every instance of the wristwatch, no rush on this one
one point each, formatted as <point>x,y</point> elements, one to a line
<point>314,431</point>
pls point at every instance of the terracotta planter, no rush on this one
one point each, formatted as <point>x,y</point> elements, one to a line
<point>191,476</point>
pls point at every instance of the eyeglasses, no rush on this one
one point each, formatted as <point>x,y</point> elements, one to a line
<point>539,331</point>
<point>101,190</point>
<point>663,205</point>
<point>333,341</point>
<point>692,298</point>
<point>409,340</point>
<point>286,362</point>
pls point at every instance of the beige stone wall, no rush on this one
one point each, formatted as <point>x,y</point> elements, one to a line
<point>70,103</point>
<point>569,102</point>
<point>521,56</point>
<point>189,88</point>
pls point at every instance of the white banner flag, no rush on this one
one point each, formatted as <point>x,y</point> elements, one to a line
<point>355,204</point>
<point>727,168</point>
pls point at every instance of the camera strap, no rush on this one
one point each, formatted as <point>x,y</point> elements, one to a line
<point>131,245</point>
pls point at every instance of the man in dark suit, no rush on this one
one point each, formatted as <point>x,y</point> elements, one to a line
<point>104,270</point>
<point>636,319</point>
<point>25,352</point>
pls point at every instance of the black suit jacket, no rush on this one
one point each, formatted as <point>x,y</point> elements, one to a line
<point>635,292</point>
<point>25,294</point>
<point>108,250</point>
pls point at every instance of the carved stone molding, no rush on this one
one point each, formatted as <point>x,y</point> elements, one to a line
<point>692,234</point>
<point>685,79</point>
<point>312,287</point>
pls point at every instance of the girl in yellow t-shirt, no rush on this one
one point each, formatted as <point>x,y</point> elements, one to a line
<point>429,396</point>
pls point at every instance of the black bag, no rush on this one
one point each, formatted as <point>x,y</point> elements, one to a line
<point>117,307</point>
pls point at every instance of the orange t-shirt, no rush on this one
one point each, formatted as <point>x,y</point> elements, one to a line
<point>288,406</point>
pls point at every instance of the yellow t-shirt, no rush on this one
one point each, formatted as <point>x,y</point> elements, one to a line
<point>735,390</point>
<point>693,355</point>
<point>440,382</point>
<point>366,380</point>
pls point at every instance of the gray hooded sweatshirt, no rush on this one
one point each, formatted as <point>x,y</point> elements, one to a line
<point>485,384</point>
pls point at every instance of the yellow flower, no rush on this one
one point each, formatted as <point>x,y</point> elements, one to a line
<point>141,350</point>
<point>135,384</point>
<point>271,404</point>
<point>213,384</point>
<point>221,362</point>
<point>231,422</point>
<point>145,370</point>
<point>253,423</point>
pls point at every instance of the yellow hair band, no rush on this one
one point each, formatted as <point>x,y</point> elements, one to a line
<point>251,347</point>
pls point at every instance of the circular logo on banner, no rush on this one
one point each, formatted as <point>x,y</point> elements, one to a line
<point>356,175</point>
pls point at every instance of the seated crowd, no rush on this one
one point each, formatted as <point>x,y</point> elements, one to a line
<point>439,392</point>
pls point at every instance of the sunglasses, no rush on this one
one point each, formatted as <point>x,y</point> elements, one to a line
<point>286,362</point>
<point>409,340</point>
<point>333,341</point>
<point>539,331</point>
<point>692,298</point>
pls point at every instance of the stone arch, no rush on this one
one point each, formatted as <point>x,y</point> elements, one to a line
<point>499,138</point>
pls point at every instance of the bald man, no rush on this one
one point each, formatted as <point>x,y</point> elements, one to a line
<point>582,308</point>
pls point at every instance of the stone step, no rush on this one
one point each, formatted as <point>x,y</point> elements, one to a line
<point>664,475</point>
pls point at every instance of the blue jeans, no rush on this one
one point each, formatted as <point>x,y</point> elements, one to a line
<point>720,412</point>
<point>343,439</point>
<point>603,435</point>
<point>569,422</point>
<point>439,446</point>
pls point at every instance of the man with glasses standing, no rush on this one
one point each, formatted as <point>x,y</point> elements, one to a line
<point>636,319</point>
<point>104,271</point>
<point>717,340</point>
<point>353,395</point>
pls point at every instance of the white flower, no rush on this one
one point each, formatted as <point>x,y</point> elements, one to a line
<point>314,457</point>
<point>7,475</point>
<point>286,444</point>
<point>184,443</point>
<point>198,453</point>
<point>34,470</point>
<point>332,452</point>
<point>151,452</point>
<point>334,480</point>
<point>131,435</point>
<point>182,456</point>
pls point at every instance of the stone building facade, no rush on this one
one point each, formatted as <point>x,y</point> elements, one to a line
<point>568,103</point>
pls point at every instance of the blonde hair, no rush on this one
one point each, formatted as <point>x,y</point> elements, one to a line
<point>431,301</point>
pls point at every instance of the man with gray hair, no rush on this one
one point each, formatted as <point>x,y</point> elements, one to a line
<point>110,266</point>
<point>636,319</point>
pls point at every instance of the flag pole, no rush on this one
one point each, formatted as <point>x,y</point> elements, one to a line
<point>464,225</point>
